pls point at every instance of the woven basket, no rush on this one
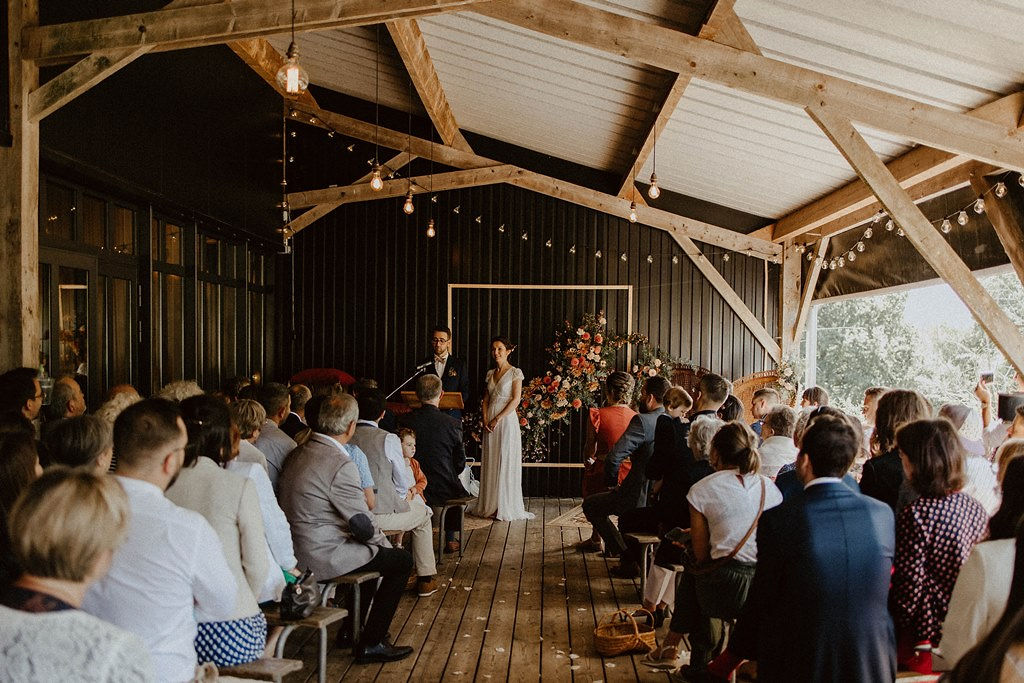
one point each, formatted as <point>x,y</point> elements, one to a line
<point>620,633</point>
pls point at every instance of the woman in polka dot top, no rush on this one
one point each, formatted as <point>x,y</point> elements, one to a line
<point>934,536</point>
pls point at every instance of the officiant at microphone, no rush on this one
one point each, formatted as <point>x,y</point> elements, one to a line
<point>454,372</point>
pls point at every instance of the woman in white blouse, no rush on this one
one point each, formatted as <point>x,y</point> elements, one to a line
<point>724,509</point>
<point>230,504</point>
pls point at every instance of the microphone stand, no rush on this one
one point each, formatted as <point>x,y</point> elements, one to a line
<point>419,371</point>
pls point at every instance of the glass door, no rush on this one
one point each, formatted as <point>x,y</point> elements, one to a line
<point>69,318</point>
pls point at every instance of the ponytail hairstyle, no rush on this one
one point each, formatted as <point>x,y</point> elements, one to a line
<point>618,387</point>
<point>208,422</point>
<point>735,446</point>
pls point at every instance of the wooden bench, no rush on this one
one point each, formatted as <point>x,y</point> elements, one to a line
<point>263,669</point>
<point>353,580</point>
<point>319,619</point>
<point>648,542</point>
<point>395,537</point>
<point>460,503</point>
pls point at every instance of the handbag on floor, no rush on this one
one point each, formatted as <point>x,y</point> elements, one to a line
<point>620,633</point>
<point>299,599</point>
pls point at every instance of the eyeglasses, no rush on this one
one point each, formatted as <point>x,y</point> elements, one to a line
<point>438,341</point>
<point>38,396</point>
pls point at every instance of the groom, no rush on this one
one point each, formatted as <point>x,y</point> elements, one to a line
<point>454,372</point>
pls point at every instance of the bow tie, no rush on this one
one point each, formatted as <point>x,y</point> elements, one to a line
<point>439,359</point>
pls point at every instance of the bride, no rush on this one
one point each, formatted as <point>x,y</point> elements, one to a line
<point>501,476</point>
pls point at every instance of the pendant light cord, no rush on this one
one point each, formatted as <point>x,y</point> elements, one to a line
<point>293,21</point>
<point>376,101</point>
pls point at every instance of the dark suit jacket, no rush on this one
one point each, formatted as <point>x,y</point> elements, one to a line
<point>637,444</point>
<point>439,451</point>
<point>817,608</point>
<point>670,462</point>
<point>454,378</point>
<point>292,425</point>
<point>789,483</point>
<point>883,475</point>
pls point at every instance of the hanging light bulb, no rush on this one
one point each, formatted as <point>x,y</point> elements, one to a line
<point>675,260</point>
<point>878,217</point>
<point>726,257</point>
<point>501,228</point>
<point>408,207</point>
<point>1020,180</point>
<point>525,236</point>
<point>889,225</point>
<point>548,244</point>
<point>597,254</point>
<point>842,262</point>
<point>861,247</point>
<point>623,257</point>
<point>430,228</point>
<point>572,249</point>
<point>961,218</point>
<point>650,259</point>
<point>375,180</point>
<point>291,76</point>
<point>632,212</point>
<point>852,256</point>
<point>946,226</point>
<point>1000,190</point>
<point>810,256</point>
<point>979,206</point>
<point>901,233</point>
<point>801,248</point>
<point>654,191</point>
<point>868,233</point>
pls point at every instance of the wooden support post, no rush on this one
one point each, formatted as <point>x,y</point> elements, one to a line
<point>807,293</point>
<point>789,299</point>
<point>1009,231</point>
<point>19,212</point>
<point>921,233</point>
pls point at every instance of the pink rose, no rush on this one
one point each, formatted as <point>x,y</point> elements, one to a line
<point>598,338</point>
<point>576,403</point>
<point>586,335</point>
<point>522,421</point>
<point>574,362</point>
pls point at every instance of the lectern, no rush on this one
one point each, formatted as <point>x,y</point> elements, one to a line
<point>450,400</point>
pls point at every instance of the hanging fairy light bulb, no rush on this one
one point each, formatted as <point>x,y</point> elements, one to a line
<point>291,76</point>
<point>650,259</point>
<point>810,256</point>
<point>632,212</point>
<point>878,217</point>
<point>675,260</point>
<point>961,218</point>
<point>842,262</point>
<point>430,228</point>
<point>851,257</point>
<point>946,226</point>
<point>801,248</point>
<point>868,233</point>
<point>726,257</point>
<point>900,232</point>
<point>376,183</point>
<point>860,247</point>
<point>654,191</point>
<point>1000,189</point>
<point>1020,180</point>
<point>623,257</point>
<point>979,205</point>
<point>548,244</point>
<point>572,249</point>
<point>889,225</point>
<point>597,254</point>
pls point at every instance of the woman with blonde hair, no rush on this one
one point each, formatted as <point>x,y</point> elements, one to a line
<point>64,530</point>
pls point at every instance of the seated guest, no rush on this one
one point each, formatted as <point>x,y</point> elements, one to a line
<point>389,423</point>
<point>1011,449</point>
<point>731,410</point>
<point>983,586</point>
<point>233,387</point>
<point>999,657</point>
<point>20,392</point>
<point>395,509</point>
<point>724,510</point>
<point>408,438</point>
<point>66,400</point>
<point>788,479</point>
<point>229,503</point>
<point>777,447</point>
<point>763,401</point>
<point>669,469</point>
<point>180,390</point>
<point>171,566</point>
<point>979,473</point>
<point>296,420</point>
<point>19,467</point>
<point>249,416</point>
<point>353,451</point>
<point>272,442</point>
<point>117,402</point>
<point>934,536</point>
<point>83,441</point>
<point>277,533</point>
<point>637,444</point>
<point>660,586</point>
<point>883,475</point>
<point>439,450</point>
<point>817,608</point>
<point>814,397</point>
<point>65,529</point>
<point>335,533</point>
<point>604,428</point>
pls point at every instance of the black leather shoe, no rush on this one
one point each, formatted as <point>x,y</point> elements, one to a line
<point>382,653</point>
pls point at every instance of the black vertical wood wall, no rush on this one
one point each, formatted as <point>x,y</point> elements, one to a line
<point>369,284</point>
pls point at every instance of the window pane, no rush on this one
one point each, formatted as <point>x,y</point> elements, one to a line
<point>124,231</point>
<point>44,318</point>
<point>94,222</point>
<point>120,333</point>
<point>211,335</point>
<point>255,332</point>
<point>155,235</point>
<point>210,255</point>
<point>172,328</point>
<point>58,220</point>
<point>229,332</point>
<point>172,243</point>
<point>73,314</point>
<point>256,268</point>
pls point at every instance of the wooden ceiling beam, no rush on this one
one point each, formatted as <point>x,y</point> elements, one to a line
<point>935,250</point>
<point>1004,221</point>
<point>807,290</point>
<point>175,28</point>
<point>762,76</point>
<point>916,166</point>
<point>413,50</point>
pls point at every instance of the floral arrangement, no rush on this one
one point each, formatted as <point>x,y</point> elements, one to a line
<point>788,384</point>
<point>651,362</point>
<point>581,357</point>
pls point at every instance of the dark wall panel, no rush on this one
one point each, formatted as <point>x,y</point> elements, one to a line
<point>369,285</point>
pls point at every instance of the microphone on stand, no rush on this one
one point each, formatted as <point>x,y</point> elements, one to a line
<point>419,369</point>
<point>424,366</point>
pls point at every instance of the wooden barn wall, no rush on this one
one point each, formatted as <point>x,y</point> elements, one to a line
<point>368,285</point>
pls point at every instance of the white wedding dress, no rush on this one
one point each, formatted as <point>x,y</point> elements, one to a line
<point>501,475</point>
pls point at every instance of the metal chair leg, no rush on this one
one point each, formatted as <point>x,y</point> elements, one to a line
<point>322,671</point>
<point>441,532</point>
<point>462,523</point>
<point>357,615</point>
<point>279,648</point>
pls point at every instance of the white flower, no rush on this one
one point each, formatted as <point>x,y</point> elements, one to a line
<point>604,363</point>
<point>602,321</point>
<point>557,378</point>
<point>657,362</point>
<point>788,386</point>
<point>635,368</point>
<point>652,372</point>
<point>580,331</point>
<point>562,403</point>
<point>529,414</point>
<point>787,371</point>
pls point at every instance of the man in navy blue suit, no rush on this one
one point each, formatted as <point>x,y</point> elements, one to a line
<point>454,372</point>
<point>817,609</point>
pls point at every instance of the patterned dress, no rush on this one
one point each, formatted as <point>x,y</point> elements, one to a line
<point>934,536</point>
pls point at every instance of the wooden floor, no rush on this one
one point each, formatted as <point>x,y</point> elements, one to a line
<point>521,605</point>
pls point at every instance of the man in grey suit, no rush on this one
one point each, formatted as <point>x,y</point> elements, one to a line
<point>334,532</point>
<point>637,444</point>
<point>273,442</point>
